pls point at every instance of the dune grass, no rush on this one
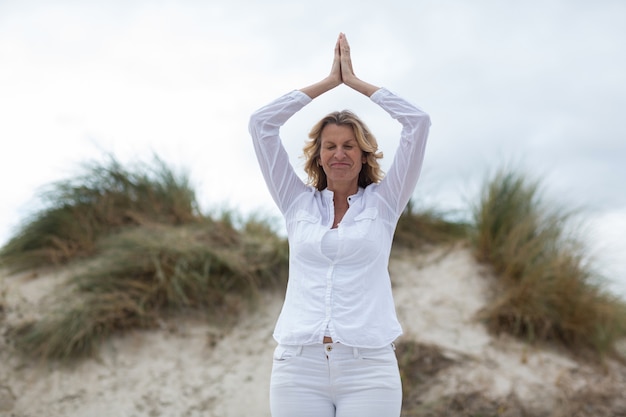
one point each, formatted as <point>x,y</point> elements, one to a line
<point>417,228</point>
<point>143,274</point>
<point>139,249</point>
<point>103,197</point>
<point>146,251</point>
<point>548,291</point>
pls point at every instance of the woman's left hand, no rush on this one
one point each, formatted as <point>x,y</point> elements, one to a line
<point>348,76</point>
<point>347,72</point>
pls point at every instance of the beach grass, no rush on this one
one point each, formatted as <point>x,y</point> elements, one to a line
<point>427,227</point>
<point>143,250</point>
<point>548,290</point>
<point>139,250</point>
<point>101,198</point>
<point>143,274</point>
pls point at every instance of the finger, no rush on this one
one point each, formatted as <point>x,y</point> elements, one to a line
<point>345,46</point>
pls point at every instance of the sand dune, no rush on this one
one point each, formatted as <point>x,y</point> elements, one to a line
<point>191,368</point>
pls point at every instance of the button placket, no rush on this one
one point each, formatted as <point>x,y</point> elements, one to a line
<point>328,295</point>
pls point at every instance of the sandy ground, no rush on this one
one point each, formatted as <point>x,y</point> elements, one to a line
<point>191,368</point>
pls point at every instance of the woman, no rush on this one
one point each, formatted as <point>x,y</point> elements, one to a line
<point>335,333</point>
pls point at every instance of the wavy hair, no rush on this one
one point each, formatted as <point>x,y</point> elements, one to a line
<point>370,172</point>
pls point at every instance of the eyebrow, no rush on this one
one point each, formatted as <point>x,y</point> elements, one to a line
<point>344,142</point>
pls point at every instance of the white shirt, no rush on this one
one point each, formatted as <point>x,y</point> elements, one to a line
<point>349,295</point>
<point>330,244</point>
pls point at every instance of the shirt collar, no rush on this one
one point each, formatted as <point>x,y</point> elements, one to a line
<point>328,194</point>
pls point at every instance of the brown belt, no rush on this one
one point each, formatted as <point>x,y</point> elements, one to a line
<point>328,339</point>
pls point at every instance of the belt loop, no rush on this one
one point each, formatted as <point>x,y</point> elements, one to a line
<point>355,352</point>
<point>299,350</point>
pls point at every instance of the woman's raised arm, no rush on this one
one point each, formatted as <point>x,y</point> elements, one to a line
<point>331,81</point>
<point>348,76</point>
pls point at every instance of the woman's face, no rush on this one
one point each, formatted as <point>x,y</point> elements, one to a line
<point>340,156</point>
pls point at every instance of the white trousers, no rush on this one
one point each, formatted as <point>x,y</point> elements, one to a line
<point>334,380</point>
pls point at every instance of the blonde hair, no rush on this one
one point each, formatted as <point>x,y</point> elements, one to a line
<point>370,172</point>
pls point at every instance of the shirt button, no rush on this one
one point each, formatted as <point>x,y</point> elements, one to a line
<point>329,348</point>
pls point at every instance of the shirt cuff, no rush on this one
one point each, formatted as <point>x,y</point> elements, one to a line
<point>379,94</point>
<point>300,97</point>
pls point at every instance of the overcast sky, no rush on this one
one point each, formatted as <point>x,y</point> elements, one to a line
<point>540,84</point>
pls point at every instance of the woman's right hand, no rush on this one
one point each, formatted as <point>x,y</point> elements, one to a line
<point>347,72</point>
<point>335,71</point>
<point>329,82</point>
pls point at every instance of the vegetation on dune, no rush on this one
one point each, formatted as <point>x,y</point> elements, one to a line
<point>548,291</point>
<point>103,198</point>
<point>143,250</point>
<point>144,273</point>
<point>417,228</point>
